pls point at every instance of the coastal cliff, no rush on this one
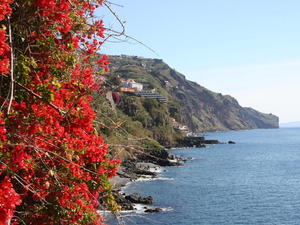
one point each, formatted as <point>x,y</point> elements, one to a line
<point>188,102</point>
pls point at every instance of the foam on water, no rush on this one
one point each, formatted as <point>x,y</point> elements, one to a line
<point>154,179</point>
<point>156,170</point>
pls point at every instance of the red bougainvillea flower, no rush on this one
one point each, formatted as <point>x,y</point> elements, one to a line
<point>9,199</point>
<point>53,167</point>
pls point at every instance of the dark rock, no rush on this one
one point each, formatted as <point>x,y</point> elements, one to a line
<point>195,142</point>
<point>168,163</point>
<point>127,206</point>
<point>159,157</point>
<point>231,142</point>
<point>144,172</point>
<point>133,172</point>
<point>191,142</point>
<point>153,210</point>
<point>123,202</point>
<point>212,142</point>
<point>162,154</point>
<point>136,198</point>
<point>147,201</point>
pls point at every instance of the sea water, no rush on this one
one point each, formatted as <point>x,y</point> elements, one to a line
<point>255,181</point>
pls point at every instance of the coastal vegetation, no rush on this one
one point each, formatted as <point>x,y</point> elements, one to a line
<point>53,165</point>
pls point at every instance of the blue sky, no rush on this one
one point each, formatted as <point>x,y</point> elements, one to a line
<point>248,49</point>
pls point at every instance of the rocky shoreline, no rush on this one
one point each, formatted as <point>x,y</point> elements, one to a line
<point>145,167</point>
<point>149,166</point>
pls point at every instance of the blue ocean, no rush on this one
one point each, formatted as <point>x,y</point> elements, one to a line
<point>256,181</point>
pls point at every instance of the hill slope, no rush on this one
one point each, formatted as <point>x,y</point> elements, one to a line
<point>190,103</point>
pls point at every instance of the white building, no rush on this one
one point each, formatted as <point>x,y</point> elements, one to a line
<point>130,83</point>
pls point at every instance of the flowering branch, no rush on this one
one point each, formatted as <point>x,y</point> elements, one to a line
<point>35,95</point>
<point>53,166</point>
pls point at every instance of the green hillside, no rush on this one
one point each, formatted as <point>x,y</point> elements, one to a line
<point>189,103</point>
<point>134,123</point>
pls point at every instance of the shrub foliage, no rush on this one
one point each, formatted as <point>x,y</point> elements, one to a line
<point>53,167</point>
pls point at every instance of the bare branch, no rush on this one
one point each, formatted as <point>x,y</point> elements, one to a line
<point>12,82</point>
<point>112,3</point>
<point>118,19</point>
<point>131,38</point>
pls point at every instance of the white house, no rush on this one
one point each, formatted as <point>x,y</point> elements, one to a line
<point>130,83</point>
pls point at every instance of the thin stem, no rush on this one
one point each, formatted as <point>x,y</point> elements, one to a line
<point>12,82</point>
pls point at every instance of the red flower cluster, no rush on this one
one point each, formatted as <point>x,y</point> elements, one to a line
<point>103,62</point>
<point>2,131</point>
<point>55,166</point>
<point>9,199</point>
<point>5,8</point>
<point>4,52</point>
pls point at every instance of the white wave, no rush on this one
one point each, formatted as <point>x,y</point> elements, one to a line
<point>155,178</point>
<point>174,160</point>
<point>168,209</point>
<point>140,208</point>
<point>156,170</point>
<point>149,167</point>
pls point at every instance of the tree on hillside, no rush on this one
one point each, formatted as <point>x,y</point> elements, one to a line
<point>53,167</point>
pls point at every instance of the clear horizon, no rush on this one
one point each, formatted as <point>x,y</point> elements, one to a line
<point>249,50</point>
